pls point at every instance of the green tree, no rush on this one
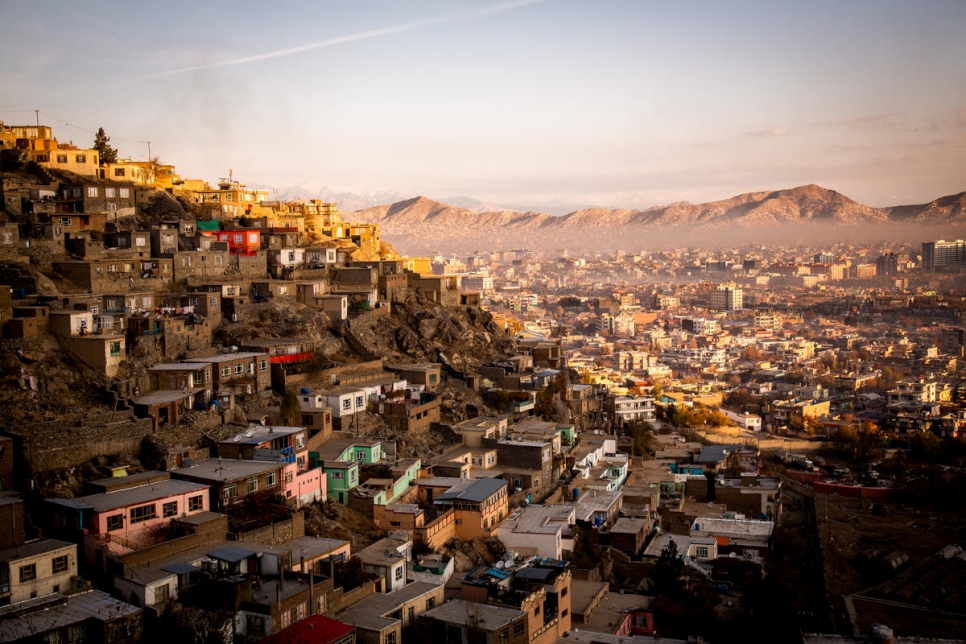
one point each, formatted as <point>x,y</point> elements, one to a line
<point>668,571</point>
<point>290,412</point>
<point>106,153</point>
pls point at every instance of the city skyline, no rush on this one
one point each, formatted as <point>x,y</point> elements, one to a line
<point>536,104</point>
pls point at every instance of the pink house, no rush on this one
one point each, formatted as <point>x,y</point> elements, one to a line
<point>132,513</point>
<point>303,481</point>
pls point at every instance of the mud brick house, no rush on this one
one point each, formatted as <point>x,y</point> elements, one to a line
<point>245,373</point>
<point>229,481</point>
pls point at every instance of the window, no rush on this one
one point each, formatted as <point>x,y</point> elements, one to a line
<point>115,522</point>
<point>239,369</point>
<point>80,158</point>
<point>252,485</point>
<point>59,564</point>
<point>270,480</point>
<point>230,290</point>
<point>28,573</point>
<point>432,378</point>
<point>213,303</point>
<point>701,552</point>
<point>61,158</point>
<point>563,593</point>
<point>411,613</point>
<point>109,192</point>
<point>564,612</point>
<point>262,365</point>
<point>226,371</point>
<point>338,474</point>
<point>169,509</point>
<point>66,222</point>
<point>430,603</point>
<point>111,206</point>
<point>360,456</point>
<point>399,573</point>
<point>395,524</point>
<point>231,491</point>
<point>91,191</point>
<point>299,441</point>
<point>192,301</point>
<point>195,503</point>
<point>115,349</point>
<point>390,638</point>
<point>503,637</point>
<point>519,627</point>
<point>125,193</point>
<point>346,405</point>
<point>360,402</point>
<point>186,261</point>
<point>118,172</point>
<point>143,513</point>
<point>282,290</point>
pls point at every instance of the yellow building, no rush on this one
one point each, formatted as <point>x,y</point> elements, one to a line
<point>141,173</point>
<point>419,265</point>
<point>230,199</point>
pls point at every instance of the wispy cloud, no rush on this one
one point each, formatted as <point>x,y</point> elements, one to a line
<point>341,40</point>
<point>947,121</point>
<point>871,121</point>
<point>776,131</point>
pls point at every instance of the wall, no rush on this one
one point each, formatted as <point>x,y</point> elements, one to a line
<point>436,533</point>
<point>279,532</point>
<point>206,534</point>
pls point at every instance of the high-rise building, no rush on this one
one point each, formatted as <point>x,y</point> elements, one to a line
<point>824,257</point>
<point>887,264</point>
<point>726,297</point>
<point>944,256</point>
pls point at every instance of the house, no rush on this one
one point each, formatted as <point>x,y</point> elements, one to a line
<point>474,430</point>
<point>628,534</point>
<point>540,589</point>
<point>125,516</point>
<point>240,241</point>
<point>316,417</point>
<point>189,377</point>
<point>479,505</point>
<point>113,274</point>
<point>740,537</point>
<point>540,530</point>
<point>381,618</point>
<point>411,414</point>
<point>387,558</point>
<point>89,616</point>
<point>340,478</point>
<point>442,289</point>
<point>426,374</point>
<point>317,629</point>
<point>303,481</point>
<point>461,621</point>
<point>37,568</point>
<point>246,373</point>
<point>203,263</point>
<point>228,482</point>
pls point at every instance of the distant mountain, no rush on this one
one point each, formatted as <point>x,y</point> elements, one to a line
<point>349,201</point>
<point>421,225</point>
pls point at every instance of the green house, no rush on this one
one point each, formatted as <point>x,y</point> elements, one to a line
<point>340,477</point>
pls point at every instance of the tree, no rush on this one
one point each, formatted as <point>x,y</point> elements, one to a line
<point>668,571</point>
<point>105,152</point>
<point>290,412</point>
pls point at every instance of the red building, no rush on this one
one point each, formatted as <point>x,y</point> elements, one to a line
<point>241,241</point>
<point>317,630</point>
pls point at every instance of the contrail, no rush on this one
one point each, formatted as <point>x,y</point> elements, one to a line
<point>365,35</point>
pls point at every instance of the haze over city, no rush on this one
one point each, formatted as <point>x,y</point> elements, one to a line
<point>545,105</point>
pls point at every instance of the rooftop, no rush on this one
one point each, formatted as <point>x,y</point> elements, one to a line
<point>58,611</point>
<point>218,469</point>
<point>370,612</point>
<point>477,490</point>
<point>485,616</point>
<point>539,519</point>
<point>33,548</point>
<point>106,501</point>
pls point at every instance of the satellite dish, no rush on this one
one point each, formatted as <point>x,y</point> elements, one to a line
<point>250,433</point>
<point>499,564</point>
<point>237,438</point>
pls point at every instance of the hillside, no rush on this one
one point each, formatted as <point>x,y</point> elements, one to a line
<point>422,225</point>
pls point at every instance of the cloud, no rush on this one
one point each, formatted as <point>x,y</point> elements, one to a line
<point>951,119</point>
<point>776,131</point>
<point>341,40</point>
<point>871,121</point>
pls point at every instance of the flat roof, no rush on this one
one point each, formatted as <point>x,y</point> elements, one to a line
<point>177,366</point>
<point>166,396</point>
<point>224,469</point>
<point>370,613</point>
<point>258,434</point>
<point>538,519</point>
<point>105,501</point>
<point>227,357</point>
<point>486,616</point>
<point>60,611</point>
<point>32,548</point>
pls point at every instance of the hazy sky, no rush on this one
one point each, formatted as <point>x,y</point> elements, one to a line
<point>541,103</point>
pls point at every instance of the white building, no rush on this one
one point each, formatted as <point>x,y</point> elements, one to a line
<point>538,530</point>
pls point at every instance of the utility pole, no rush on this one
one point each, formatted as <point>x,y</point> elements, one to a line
<point>37,116</point>
<point>149,150</point>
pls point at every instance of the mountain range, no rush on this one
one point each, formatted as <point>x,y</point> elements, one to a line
<point>805,213</point>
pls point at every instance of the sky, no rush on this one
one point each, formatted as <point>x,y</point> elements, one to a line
<point>528,104</point>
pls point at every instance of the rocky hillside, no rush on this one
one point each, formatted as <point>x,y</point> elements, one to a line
<point>420,225</point>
